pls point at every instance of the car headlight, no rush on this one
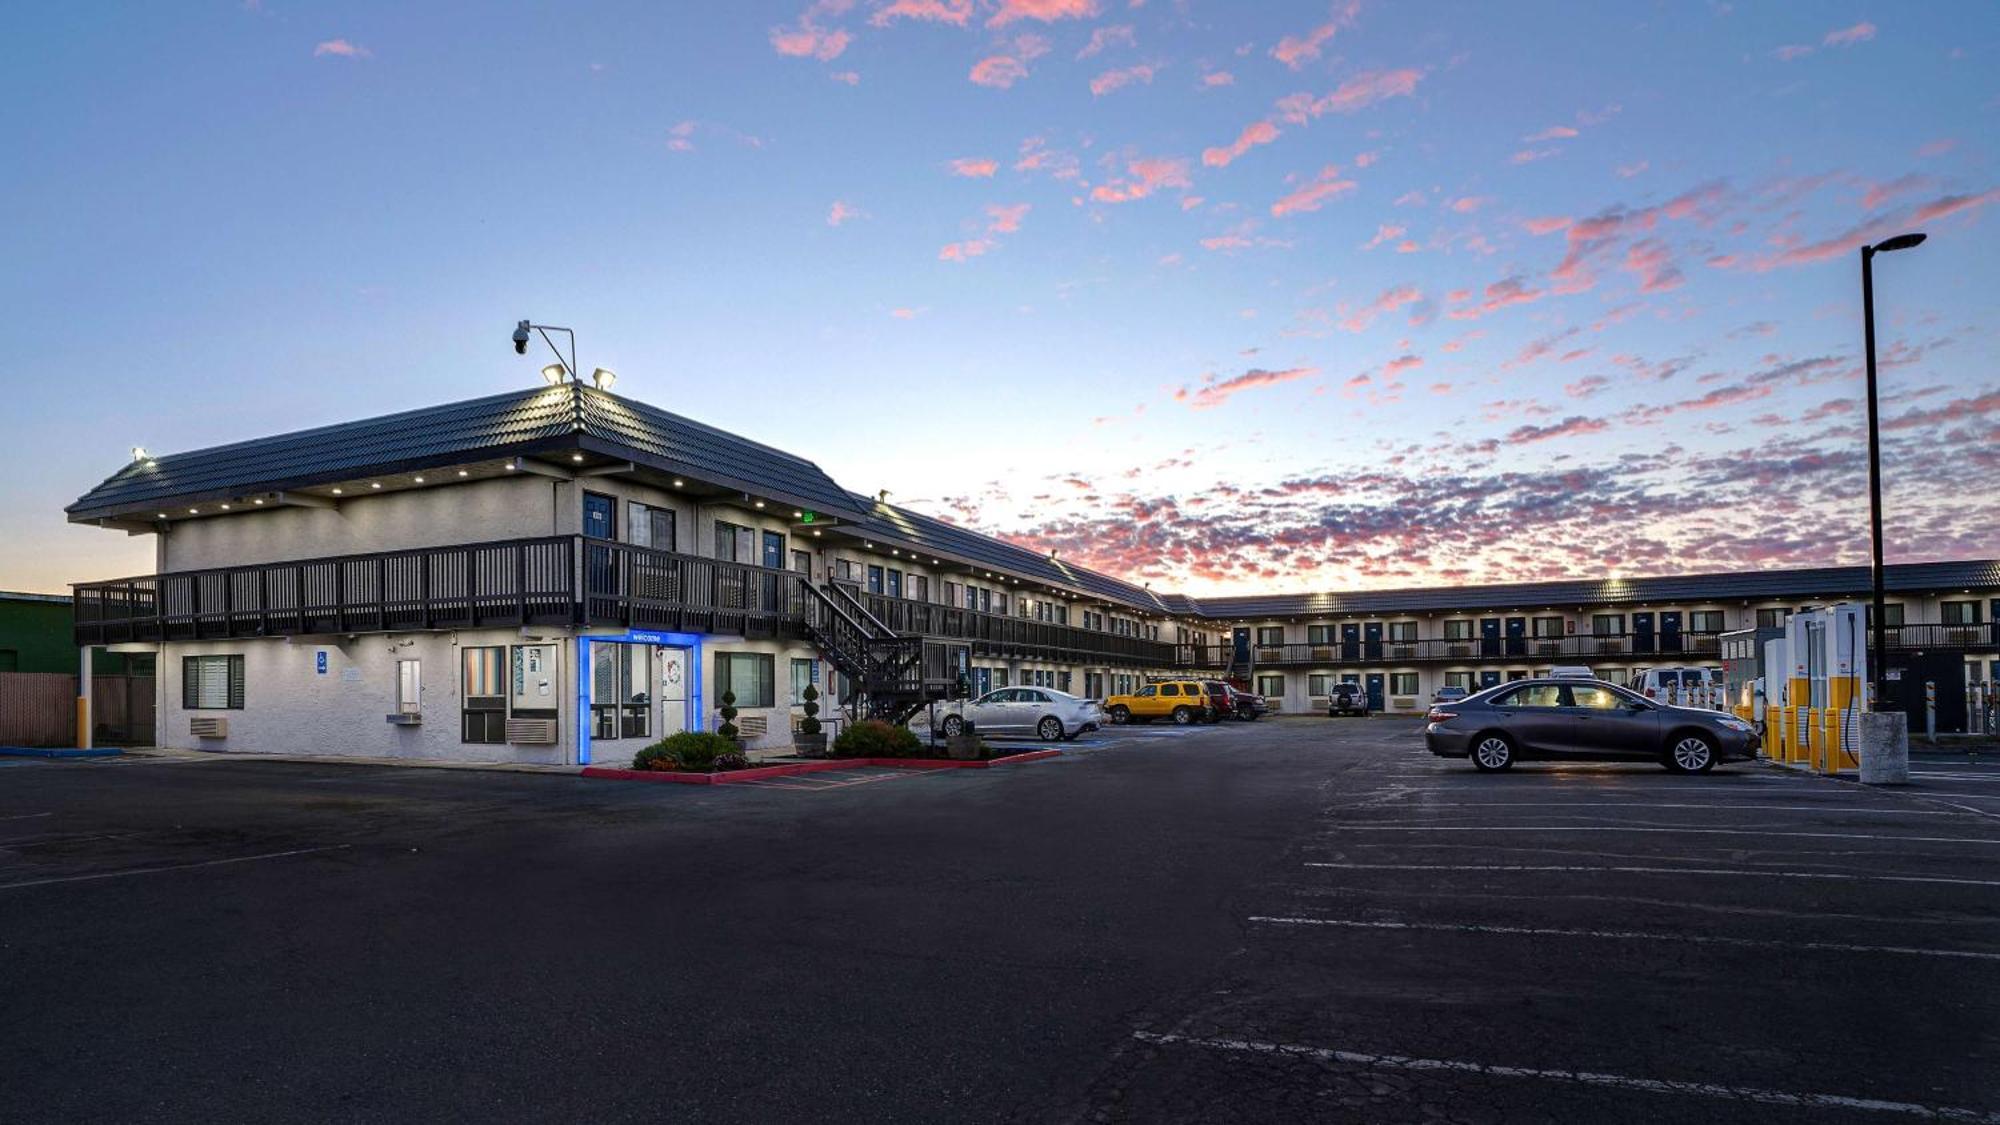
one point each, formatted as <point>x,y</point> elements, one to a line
<point>1735,724</point>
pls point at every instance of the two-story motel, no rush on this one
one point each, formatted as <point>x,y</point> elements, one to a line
<point>563,575</point>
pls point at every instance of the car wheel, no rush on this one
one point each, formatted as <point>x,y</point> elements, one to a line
<point>1691,753</point>
<point>952,726</point>
<point>1492,753</point>
<point>1120,716</point>
<point>1050,729</point>
<point>1251,717</point>
<point>1183,716</point>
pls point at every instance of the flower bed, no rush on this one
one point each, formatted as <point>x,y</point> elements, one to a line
<point>691,751</point>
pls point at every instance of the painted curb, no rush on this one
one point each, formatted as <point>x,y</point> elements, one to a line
<point>672,777</point>
<point>58,752</point>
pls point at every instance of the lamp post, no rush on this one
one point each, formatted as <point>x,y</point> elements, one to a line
<point>1878,668</point>
<point>564,369</point>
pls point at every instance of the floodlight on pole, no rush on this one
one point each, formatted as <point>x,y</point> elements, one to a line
<point>554,374</point>
<point>1879,610</point>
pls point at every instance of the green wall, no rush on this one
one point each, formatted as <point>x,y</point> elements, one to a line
<point>35,637</point>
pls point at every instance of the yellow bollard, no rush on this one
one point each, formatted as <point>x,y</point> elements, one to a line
<point>1813,736</point>
<point>83,722</point>
<point>1830,739</point>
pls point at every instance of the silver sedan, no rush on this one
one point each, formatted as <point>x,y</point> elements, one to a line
<point>1044,713</point>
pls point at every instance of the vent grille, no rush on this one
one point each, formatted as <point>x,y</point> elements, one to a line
<point>208,726</point>
<point>540,732</point>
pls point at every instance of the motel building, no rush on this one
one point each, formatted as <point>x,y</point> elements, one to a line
<point>563,575</point>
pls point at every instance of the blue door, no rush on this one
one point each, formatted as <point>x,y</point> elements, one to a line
<point>1350,642</point>
<point>1517,636</point>
<point>1642,632</point>
<point>1239,648</point>
<point>1670,632</point>
<point>1489,678</point>
<point>1374,691</point>
<point>1373,636</point>
<point>1489,637</point>
<point>774,551</point>
<point>600,516</point>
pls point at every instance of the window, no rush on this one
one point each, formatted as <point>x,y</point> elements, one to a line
<point>802,678</point>
<point>749,675</point>
<point>874,579</point>
<point>920,588</point>
<point>951,593</point>
<point>648,526</point>
<point>1705,621</point>
<point>986,601</point>
<point>1595,698</point>
<point>1458,680</point>
<point>600,516</point>
<point>1402,632</point>
<point>1170,689</point>
<point>1271,686</point>
<point>1772,618</point>
<point>1607,625</point>
<point>1548,627</point>
<point>409,687</point>
<point>1000,676</point>
<point>1402,683</point>
<point>1319,635</point>
<point>802,562</point>
<point>1534,695</point>
<point>843,569</point>
<point>620,706</point>
<point>1318,683</point>
<point>1892,615</point>
<point>895,587</point>
<point>1959,613</point>
<point>1458,629</point>
<point>483,694</point>
<point>1151,690</point>
<point>1000,605</point>
<point>734,543</point>
<point>774,551</point>
<point>212,683</point>
<point>1270,636</point>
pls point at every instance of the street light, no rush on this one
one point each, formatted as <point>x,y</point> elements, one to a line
<point>1878,668</point>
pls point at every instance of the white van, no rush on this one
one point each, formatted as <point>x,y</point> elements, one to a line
<point>1571,672</point>
<point>1681,686</point>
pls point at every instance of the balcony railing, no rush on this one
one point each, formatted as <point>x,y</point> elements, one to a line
<point>995,634</point>
<point>555,580</point>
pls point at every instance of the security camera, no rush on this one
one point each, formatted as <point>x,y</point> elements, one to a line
<point>521,338</point>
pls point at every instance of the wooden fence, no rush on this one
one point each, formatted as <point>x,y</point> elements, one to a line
<point>39,709</point>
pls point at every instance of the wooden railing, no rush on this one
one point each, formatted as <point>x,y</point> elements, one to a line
<point>644,588</point>
<point>994,634</point>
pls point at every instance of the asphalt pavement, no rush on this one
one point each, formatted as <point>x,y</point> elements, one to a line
<point>1294,920</point>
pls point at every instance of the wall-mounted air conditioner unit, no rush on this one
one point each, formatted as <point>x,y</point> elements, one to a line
<point>531,731</point>
<point>1458,650</point>
<point>208,726</point>
<point>1322,652</point>
<point>1403,652</point>
<point>406,719</point>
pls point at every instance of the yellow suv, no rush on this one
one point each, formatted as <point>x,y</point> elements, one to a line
<point>1183,701</point>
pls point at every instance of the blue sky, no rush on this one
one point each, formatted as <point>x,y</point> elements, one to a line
<point>1217,295</point>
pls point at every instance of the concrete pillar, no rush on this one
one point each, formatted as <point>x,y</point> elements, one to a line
<point>1885,748</point>
<point>83,718</point>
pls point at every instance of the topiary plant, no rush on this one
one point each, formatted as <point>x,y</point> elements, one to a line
<point>809,726</point>
<point>728,713</point>
<point>873,738</point>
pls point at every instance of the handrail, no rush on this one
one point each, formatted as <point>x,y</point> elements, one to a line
<point>855,603</point>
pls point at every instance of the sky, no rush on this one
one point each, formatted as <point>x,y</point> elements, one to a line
<point>1223,297</point>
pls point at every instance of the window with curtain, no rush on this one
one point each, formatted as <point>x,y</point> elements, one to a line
<point>1402,632</point>
<point>1319,683</point>
<point>1608,625</point>
<point>1705,621</point>
<point>750,675</point>
<point>1270,636</point>
<point>1271,686</point>
<point>483,693</point>
<point>1402,683</point>
<point>1458,629</point>
<point>212,683</point>
<point>802,678</point>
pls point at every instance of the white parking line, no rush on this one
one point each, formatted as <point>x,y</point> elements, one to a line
<point>28,816</point>
<point>1839,876</point>
<point>1752,1094</point>
<point>1627,935</point>
<point>1671,831</point>
<point>173,867</point>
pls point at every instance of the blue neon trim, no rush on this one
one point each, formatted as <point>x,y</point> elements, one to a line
<point>689,641</point>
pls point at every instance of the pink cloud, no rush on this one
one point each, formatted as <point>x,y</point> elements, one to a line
<point>1218,78</point>
<point>1366,159</point>
<point>849,77</point>
<point>1144,176</point>
<point>1212,394</point>
<point>1047,11</point>
<point>1548,225</point>
<point>1938,147</point>
<point>1407,247</point>
<point>1102,38</point>
<point>1412,198</point>
<point>1005,217</point>
<point>1401,364</point>
<point>1470,203</point>
<point>1383,233</point>
<point>1572,426</point>
<point>964,251</point>
<point>1115,79</point>
<point>954,12</point>
<point>1848,36</point>
<point>1627,171</point>
<point>1351,96</point>
<point>1791,51</point>
<point>1952,204</point>
<point>843,212</point>
<point>1296,51</point>
<point>1388,301</point>
<point>1881,193</point>
<point>1530,155</point>
<point>974,166</point>
<point>1256,133</point>
<point>1654,264</point>
<point>341,49</point>
<point>907,314</point>
<point>1552,133</point>
<point>808,38</point>
<point>1002,71</point>
<point>1314,195</point>
<point>1507,291</point>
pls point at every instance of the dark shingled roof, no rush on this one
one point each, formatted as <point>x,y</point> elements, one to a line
<point>497,425</point>
<point>1754,585</point>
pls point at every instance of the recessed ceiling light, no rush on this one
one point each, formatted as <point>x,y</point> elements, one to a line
<point>576,456</point>
<point>512,465</point>
<point>760,503</point>
<point>259,501</point>
<point>815,531</point>
<point>374,484</point>
<point>194,511</point>
<point>463,473</point>
<point>336,492</point>
<point>163,515</point>
<point>679,483</point>
<point>798,515</point>
<point>225,507</point>
<point>419,480</point>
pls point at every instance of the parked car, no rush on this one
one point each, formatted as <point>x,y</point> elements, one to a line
<point>1045,713</point>
<point>1583,719</point>
<point>1571,672</point>
<point>1183,701</point>
<point>1247,705</point>
<point>1220,705</point>
<point>1346,699</point>
<point>1680,684</point>
<point>1450,693</point>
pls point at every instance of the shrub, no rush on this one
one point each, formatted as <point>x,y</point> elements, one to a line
<point>809,726</point>
<point>873,738</point>
<point>728,713</point>
<point>695,750</point>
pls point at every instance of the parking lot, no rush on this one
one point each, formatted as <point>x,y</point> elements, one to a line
<point>1303,919</point>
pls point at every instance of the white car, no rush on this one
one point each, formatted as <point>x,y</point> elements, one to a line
<point>1044,713</point>
<point>1680,685</point>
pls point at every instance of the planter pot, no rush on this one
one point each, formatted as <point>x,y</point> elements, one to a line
<point>810,745</point>
<point>962,747</point>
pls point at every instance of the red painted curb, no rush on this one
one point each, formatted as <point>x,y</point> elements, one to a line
<point>676,777</point>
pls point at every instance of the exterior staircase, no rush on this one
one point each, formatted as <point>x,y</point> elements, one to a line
<point>892,675</point>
